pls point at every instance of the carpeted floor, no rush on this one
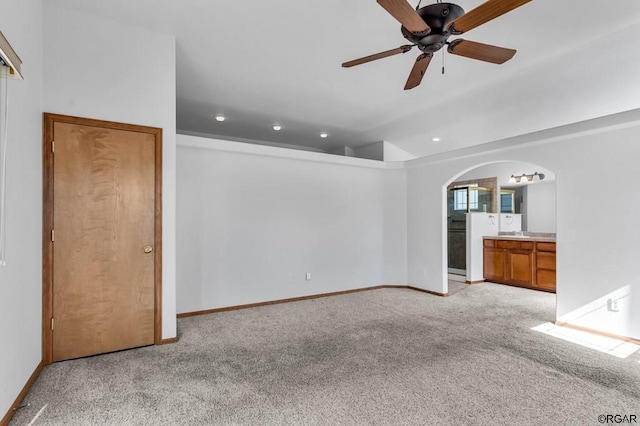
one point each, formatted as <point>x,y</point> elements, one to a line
<point>456,286</point>
<point>389,356</point>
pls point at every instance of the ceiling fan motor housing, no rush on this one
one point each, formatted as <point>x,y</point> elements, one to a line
<point>438,16</point>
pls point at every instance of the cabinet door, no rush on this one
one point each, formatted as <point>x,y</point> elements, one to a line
<point>521,267</point>
<point>546,279</point>
<point>494,263</point>
<point>546,270</point>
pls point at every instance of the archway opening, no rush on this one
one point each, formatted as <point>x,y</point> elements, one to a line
<point>511,199</point>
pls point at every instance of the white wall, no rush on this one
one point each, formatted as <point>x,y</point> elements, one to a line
<point>541,207</point>
<point>479,225</point>
<point>373,151</point>
<point>395,227</point>
<point>393,153</point>
<point>252,223</point>
<point>596,257</point>
<point>503,171</point>
<point>343,150</point>
<point>101,69</point>
<point>21,277</point>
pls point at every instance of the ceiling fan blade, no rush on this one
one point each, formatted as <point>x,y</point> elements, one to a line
<point>480,51</point>
<point>487,11</point>
<point>406,15</point>
<point>376,56</point>
<point>418,70</point>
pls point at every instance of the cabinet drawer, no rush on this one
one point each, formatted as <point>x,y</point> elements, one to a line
<point>546,246</point>
<point>508,244</point>
<point>546,261</point>
<point>514,244</point>
<point>526,245</point>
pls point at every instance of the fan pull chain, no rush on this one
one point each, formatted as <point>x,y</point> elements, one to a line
<point>443,61</point>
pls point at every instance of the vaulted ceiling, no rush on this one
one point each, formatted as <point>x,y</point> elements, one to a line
<point>262,63</point>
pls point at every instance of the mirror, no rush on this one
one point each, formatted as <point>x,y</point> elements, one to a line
<point>507,201</point>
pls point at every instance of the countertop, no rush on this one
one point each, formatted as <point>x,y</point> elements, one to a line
<point>528,236</point>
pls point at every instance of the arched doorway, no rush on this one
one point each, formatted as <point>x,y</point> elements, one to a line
<point>489,199</point>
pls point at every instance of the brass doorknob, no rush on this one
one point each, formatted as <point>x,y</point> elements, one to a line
<point>148,249</point>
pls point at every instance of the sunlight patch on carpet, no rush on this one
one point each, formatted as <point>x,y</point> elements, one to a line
<point>33,421</point>
<point>608,345</point>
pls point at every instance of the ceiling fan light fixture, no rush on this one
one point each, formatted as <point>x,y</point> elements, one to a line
<point>430,27</point>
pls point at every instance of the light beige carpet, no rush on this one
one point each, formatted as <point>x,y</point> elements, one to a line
<point>382,357</point>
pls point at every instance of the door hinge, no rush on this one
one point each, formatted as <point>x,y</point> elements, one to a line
<point>52,323</point>
<point>53,235</point>
<point>53,146</point>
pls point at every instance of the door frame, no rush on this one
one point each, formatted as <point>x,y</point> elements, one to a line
<point>47,221</point>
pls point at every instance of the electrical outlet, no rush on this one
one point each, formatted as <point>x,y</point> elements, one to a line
<point>308,276</point>
<point>612,305</point>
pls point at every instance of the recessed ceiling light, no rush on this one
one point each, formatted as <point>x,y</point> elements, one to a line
<point>277,127</point>
<point>436,139</point>
<point>324,135</point>
<point>220,117</point>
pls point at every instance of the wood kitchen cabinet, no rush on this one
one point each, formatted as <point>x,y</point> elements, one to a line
<point>523,263</point>
<point>546,266</point>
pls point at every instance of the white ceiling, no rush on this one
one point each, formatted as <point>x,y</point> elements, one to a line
<point>267,62</point>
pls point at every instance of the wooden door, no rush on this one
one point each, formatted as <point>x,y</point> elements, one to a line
<point>104,241</point>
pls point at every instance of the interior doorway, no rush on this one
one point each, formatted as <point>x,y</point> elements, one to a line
<point>513,206</point>
<point>102,237</point>
<point>463,198</point>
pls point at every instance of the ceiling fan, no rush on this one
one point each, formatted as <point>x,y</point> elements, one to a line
<point>430,27</point>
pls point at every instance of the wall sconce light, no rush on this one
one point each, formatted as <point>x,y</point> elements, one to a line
<point>524,178</point>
